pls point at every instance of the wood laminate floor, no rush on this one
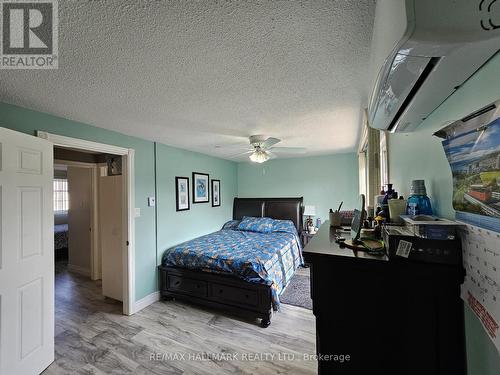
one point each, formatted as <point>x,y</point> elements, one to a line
<point>92,337</point>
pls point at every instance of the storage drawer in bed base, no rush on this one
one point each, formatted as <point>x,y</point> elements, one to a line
<point>229,293</point>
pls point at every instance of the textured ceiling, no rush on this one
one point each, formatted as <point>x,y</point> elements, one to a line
<point>202,74</point>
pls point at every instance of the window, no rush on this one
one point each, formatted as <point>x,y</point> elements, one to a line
<point>362,156</point>
<point>61,197</point>
<point>384,164</point>
<point>368,159</point>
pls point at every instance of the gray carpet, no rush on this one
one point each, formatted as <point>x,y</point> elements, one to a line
<point>298,292</point>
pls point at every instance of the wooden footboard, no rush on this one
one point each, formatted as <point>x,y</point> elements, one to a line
<point>229,293</point>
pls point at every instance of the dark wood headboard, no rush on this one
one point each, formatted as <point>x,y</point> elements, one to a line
<point>275,208</point>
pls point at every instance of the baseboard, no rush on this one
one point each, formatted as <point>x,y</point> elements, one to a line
<point>79,270</point>
<point>146,301</point>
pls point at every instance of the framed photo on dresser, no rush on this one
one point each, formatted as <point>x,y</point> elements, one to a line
<point>181,193</point>
<point>200,187</point>
<point>215,193</point>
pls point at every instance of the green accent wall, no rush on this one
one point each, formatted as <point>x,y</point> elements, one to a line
<point>323,181</point>
<point>420,155</point>
<point>173,227</point>
<point>176,227</point>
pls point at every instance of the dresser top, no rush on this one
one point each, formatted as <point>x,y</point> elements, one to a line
<point>323,244</point>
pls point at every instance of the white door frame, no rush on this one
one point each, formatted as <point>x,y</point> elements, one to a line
<point>94,213</point>
<point>128,218</point>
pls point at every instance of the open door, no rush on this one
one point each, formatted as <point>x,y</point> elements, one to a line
<point>110,222</point>
<point>80,220</point>
<point>26,254</point>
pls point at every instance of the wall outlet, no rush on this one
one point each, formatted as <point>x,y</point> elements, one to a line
<point>137,212</point>
<point>151,201</point>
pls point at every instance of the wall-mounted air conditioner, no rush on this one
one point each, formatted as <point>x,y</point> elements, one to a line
<point>424,50</point>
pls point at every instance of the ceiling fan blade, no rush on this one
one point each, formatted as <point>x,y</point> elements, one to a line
<point>237,147</point>
<point>290,150</point>
<point>270,142</point>
<point>240,154</point>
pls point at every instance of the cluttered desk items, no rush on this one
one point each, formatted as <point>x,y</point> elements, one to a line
<point>360,240</point>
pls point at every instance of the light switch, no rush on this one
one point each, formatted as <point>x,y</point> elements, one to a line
<point>151,201</point>
<point>137,212</point>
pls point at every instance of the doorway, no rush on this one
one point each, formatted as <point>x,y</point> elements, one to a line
<point>125,227</point>
<point>88,209</point>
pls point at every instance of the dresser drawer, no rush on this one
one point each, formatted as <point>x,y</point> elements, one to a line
<point>187,286</point>
<point>237,296</point>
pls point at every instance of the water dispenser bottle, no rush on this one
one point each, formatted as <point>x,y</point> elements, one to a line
<point>418,202</point>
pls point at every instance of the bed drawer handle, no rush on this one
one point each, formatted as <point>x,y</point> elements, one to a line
<point>177,283</point>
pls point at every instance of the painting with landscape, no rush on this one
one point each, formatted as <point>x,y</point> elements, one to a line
<point>472,146</point>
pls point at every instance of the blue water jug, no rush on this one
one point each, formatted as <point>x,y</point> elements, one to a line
<point>418,202</point>
<point>419,205</point>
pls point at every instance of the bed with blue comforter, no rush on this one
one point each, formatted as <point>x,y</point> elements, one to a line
<point>257,250</point>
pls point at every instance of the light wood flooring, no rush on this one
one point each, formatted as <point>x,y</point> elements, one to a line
<point>92,337</point>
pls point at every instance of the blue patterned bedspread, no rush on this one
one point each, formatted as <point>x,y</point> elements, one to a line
<point>266,258</point>
<point>60,236</point>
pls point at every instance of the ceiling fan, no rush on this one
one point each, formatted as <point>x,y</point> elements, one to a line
<point>262,149</point>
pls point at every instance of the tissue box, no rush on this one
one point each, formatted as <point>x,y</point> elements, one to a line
<point>346,218</point>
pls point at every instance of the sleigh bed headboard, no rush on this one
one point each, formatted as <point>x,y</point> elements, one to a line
<point>276,208</point>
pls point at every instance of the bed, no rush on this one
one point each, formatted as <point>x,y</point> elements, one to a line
<point>240,271</point>
<point>61,241</point>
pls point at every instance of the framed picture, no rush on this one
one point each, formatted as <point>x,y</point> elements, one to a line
<point>215,193</point>
<point>114,164</point>
<point>181,193</point>
<point>200,187</point>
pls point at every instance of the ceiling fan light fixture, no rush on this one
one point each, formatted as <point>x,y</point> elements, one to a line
<point>259,156</point>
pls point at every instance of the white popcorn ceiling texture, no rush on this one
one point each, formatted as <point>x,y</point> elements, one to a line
<point>201,75</point>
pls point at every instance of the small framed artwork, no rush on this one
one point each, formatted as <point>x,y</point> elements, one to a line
<point>114,164</point>
<point>215,193</point>
<point>200,187</point>
<point>181,193</point>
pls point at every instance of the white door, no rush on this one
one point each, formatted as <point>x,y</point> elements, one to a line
<point>26,254</point>
<point>79,219</point>
<point>110,229</point>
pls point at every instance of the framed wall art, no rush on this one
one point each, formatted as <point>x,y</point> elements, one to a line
<point>181,193</point>
<point>216,193</point>
<point>200,187</point>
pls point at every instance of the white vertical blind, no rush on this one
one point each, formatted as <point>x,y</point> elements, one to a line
<point>384,167</point>
<point>362,173</point>
<point>61,198</point>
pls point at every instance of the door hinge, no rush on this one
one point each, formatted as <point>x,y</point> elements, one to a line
<point>128,243</point>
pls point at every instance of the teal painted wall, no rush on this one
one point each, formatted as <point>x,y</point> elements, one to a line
<point>420,155</point>
<point>171,161</point>
<point>176,227</point>
<point>323,181</point>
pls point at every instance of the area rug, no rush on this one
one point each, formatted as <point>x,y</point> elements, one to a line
<point>298,292</point>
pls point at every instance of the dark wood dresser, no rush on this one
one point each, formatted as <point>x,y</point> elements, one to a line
<point>387,316</point>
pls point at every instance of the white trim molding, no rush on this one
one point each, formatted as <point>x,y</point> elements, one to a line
<point>61,140</point>
<point>129,223</point>
<point>146,301</point>
<point>128,219</point>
